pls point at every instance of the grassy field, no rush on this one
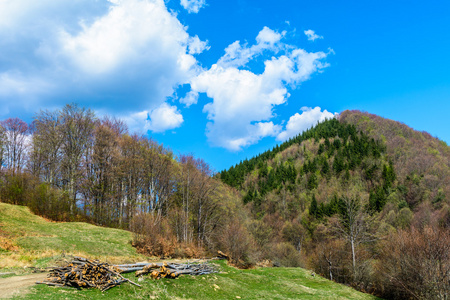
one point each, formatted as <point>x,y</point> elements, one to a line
<point>260,283</point>
<point>29,240</point>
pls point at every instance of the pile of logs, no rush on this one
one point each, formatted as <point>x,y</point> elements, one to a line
<point>84,273</point>
<point>168,270</point>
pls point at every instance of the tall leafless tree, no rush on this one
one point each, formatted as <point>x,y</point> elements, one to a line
<point>77,126</point>
<point>16,133</point>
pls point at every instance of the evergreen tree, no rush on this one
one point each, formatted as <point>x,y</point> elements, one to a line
<point>313,207</point>
<point>312,182</point>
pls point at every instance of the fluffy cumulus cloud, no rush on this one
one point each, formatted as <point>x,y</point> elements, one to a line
<point>303,121</point>
<point>94,51</point>
<point>164,117</point>
<point>193,6</point>
<point>243,102</point>
<point>312,36</point>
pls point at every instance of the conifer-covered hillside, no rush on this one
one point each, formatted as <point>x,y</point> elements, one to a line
<point>364,200</point>
<point>360,152</point>
<point>422,162</point>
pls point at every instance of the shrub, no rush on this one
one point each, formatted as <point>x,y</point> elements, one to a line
<point>238,244</point>
<point>415,263</point>
<point>153,236</point>
<point>285,255</point>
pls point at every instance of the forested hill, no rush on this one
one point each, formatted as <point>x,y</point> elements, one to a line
<point>365,200</point>
<point>361,144</point>
<point>375,150</point>
<point>420,160</point>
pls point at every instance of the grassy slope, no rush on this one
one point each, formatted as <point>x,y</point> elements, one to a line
<point>34,240</point>
<point>261,283</point>
<point>38,241</point>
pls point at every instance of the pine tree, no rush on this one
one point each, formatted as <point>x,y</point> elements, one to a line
<point>313,207</point>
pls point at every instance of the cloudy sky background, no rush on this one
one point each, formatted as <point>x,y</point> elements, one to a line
<point>226,80</point>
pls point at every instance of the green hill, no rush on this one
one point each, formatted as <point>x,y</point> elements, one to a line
<point>419,159</point>
<point>359,155</point>
<point>363,199</point>
<point>29,240</point>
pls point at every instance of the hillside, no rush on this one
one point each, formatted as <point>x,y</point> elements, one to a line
<point>260,283</point>
<point>360,153</point>
<point>416,155</point>
<point>30,240</point>
<point>361,198</point>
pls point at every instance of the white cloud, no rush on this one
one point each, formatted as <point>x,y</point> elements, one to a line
<point>237,55</point>
<point>133,55</point>
<point>232,138</point>
<point>193,6</point>
<point>163,118</point>
<point>197,46</point>
<point>95,51</point>
<point>190,98</point>
<point>243,101</point>
<point>255,133</point>
<point>268,36</point>
<point>312,36</point>
<point>301,122</point>
<point>137,122</point>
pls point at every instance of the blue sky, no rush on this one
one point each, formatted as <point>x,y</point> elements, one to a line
<point>226,80</point>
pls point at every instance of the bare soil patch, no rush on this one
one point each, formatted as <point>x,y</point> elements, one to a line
<point>18,285</point>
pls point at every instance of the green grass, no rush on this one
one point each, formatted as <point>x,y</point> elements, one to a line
<point>260,283</point>
<point>38,240</point>
<point>40,243</point>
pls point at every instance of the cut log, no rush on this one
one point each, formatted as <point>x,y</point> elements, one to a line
<point>223,255</point>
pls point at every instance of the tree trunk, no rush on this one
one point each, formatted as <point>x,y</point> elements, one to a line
<point>352,241</point>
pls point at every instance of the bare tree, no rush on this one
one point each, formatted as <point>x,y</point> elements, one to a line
<point>158,178</point>
<point>131,168</point>
<point>100,165</point>
<point>204,205</point>
<point>46,150</point>
<point>415,263</point>
<point>77,125</point>
<point>16,133</point>
<point>187,177</point>
<point>353,226</point>
<point>2,145</point>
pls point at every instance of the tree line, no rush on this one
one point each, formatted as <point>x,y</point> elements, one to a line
<point>69,164</point>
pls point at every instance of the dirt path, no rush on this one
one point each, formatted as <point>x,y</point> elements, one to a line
<point>16,285</point>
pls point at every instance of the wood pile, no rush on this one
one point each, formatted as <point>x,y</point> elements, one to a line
<point>84,273</point>
<point>168,270</point>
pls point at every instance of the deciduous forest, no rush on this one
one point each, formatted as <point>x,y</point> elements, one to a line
<point>359,199</point>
